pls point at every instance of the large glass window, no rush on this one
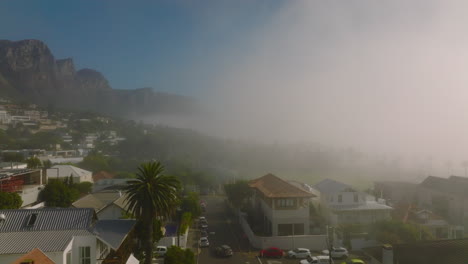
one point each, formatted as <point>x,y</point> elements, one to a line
<point>85,255</point>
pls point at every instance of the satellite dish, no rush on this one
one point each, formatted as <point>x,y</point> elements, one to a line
<point>2,217</point>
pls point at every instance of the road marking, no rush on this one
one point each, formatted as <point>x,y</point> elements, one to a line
<point>259,260</point>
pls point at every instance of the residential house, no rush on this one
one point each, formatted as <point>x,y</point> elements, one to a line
<point>65,171</point>
<point>453,251</point>
<point>283,207</point>
<point>28,183</point>
<point>34,256</point>
<point>435,224</point>
<point>447,197</point>
<point>396,191</point>
<point>64,235</point>
<point>107,204</point>
<point>342,204</point>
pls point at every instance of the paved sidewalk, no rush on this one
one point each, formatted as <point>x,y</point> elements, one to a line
<point>192,240</point>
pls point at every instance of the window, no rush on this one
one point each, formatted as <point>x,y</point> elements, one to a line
<point>32,219</point>
<point>356,197</point>
<point>340,198</point>
<point>85,255</point>
<point>68,257</point>
<point>285,202</point>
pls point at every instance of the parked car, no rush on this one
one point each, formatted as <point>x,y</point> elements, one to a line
<point>204,242</point>
<point>272,252</point>
<point>299,253</point>
<point>160,251</point>
<point>317,260</point>
<point>340,252</point>
<point>223,251</point>
<point>203,224</point>
<point>354,261</point>
<point>203,233</point>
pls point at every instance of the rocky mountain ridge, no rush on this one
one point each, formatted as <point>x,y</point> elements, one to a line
<point>29,72</point>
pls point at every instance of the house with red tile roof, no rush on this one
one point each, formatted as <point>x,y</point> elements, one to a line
<point>34,256</point>
<point>283,207</point>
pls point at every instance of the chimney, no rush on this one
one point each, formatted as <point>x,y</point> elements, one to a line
<point>387,254</point>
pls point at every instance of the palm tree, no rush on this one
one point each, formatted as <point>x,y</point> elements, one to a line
<point>151,195</point>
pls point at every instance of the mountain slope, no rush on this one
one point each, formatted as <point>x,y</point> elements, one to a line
<point>29,72</point>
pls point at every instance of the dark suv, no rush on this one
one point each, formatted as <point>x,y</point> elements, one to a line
<point>223,251</point>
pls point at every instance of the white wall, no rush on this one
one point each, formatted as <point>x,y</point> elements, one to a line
<point>286,216</point>
<point>172,241</point>
<point>83,241</point>
<point>313,242</point>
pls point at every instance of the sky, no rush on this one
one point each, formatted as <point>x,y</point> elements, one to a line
<point>378,76</point>
<point>166,45</point>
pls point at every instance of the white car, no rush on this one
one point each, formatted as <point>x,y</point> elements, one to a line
<point>160,251</point>
<point>204,242</point>
<point>317,260</point>
<point>340,252</point>
<point>299,253</point>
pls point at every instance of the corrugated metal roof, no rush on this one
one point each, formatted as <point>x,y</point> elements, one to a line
<point>47,219</point>
<point>368,205</point>
<point>113,232</point>
<point>47,241</point>
<point>6,173</point>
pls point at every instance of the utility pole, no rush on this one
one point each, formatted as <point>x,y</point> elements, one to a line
<point>330,229</point>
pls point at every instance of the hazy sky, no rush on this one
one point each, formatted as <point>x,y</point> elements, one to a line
<point>381,76</point>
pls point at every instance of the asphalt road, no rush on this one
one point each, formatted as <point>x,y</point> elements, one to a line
<point>227,231</point>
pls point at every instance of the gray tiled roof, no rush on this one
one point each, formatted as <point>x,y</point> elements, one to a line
<point>113,232</point>
<point>47,219</point>
<point>47,241</point>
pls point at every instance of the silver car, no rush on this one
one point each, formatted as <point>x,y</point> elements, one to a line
<point>204,242</point>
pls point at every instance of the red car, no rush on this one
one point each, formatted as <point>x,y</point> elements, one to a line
<point>272,252</point>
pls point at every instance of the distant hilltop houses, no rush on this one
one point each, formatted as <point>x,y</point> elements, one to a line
<point>63,125</point>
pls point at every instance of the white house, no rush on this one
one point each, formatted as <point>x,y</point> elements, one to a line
<point>64,235</point>
<point>342,204</point>
<point>65,171</point>
<point>283,206</point>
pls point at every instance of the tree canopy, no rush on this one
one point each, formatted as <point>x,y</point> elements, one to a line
<point>59,194</point>
<point>177,255</point>
<point>395,232</point>
<point>10,200</point>
<point>151,194</point>
<point>33,163</point>
<point>238,193</point>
